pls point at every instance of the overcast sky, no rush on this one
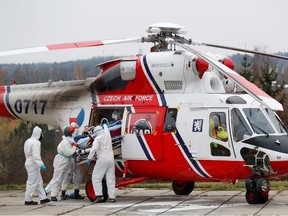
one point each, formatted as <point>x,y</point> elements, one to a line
<point>239,23</point>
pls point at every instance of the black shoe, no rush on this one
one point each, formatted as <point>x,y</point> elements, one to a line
<point>54,199</point>
<point>99,199</point>
<point>31,203</point>
<point>63,195</point>
<point>77,195</point>
<point>112,200</point>
<point>44,201</point>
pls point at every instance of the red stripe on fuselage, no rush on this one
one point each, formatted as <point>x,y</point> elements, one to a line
<point>220,170</point>
<point>3,108</point>
<point>280,168</point>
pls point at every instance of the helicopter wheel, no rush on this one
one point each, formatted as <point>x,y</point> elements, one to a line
<point>183,187</point>
<point>252,197</point>
<point>90,190</point>
<point>257,190</point>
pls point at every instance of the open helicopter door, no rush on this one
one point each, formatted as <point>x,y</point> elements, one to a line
<point>143,136</point>
<point>112,116</point>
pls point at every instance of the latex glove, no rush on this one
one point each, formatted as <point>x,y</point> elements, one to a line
<point>88,162</point>
<point>43,167</point>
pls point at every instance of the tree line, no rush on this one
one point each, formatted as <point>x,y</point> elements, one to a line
<point>42,72</point>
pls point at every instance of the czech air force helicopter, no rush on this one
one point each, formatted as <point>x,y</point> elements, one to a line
<point>173,102</point>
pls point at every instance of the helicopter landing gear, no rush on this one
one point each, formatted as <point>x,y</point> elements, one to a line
<point>257,190</point>
<point>183,187</point>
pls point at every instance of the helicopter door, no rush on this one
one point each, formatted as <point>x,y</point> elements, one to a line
<point>220,144</point>
<point>143,133</point>
<point>210,135</point>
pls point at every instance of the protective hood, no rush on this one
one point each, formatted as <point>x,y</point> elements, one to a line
<point>36,133</point>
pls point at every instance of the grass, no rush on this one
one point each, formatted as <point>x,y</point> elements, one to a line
<point>274,185</point>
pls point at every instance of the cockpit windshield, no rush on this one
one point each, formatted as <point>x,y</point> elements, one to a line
<point>277,121</point>
<point>258,121</point>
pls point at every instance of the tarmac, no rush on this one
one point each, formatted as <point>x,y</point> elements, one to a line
<point>150,202</point>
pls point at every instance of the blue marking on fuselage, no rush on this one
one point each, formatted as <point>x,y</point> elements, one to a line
<point>184,147</point>
<point>144,147</point>
<point>154,82</point>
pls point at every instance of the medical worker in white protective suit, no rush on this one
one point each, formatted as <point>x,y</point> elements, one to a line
<point>62,161</point>
<point>75,174</point>
<point>33,164</point>
<point>102,146</point>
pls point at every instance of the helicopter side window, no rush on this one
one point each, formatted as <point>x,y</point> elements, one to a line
<point>170,120</point>
<point>141,123</point>
<point>240,127</point>
<point>218,129</point>
<point>258,121</point>
<point>219,150</point>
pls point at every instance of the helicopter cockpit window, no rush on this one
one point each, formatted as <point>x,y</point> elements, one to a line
<point>110,80</point>
<point>240,127</point>
<point>141,123</point>
<point>218,128</point>
<point>277,121</point>
<point>258,121</point>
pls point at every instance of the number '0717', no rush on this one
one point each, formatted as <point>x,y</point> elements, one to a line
<point>24,105</point>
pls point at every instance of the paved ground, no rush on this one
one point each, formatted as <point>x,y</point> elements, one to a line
<point>151,202</point>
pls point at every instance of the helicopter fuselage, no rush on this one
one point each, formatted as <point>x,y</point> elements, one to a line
<point>168,102</point>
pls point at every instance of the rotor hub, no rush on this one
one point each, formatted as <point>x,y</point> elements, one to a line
<point>163,34</point>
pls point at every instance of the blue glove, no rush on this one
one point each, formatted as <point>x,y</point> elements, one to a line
<point>43,167</point>
<point>88,162</point>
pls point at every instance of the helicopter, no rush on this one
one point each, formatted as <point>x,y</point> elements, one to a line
<point>173,101</point>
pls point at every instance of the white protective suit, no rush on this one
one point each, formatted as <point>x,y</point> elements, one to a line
<point>76,173</point>
<point>62,163</point>
<point>33,163</point>
<point>104,166</point>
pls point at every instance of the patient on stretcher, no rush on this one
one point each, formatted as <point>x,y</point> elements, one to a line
<point>85,141</point>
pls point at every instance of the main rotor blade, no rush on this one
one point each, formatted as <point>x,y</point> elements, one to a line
<point>239,49</point>
<point>247,86</point>
<point>69,46</point>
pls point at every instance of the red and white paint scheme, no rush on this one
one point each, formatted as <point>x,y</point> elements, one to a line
<point>173,103</point>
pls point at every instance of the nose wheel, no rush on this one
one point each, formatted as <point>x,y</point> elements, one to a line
<point>257,190</point>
